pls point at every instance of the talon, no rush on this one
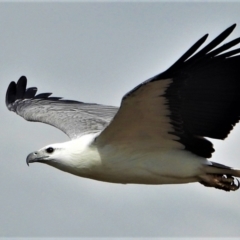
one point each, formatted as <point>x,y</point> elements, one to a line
<point>223,182</point>
<point>226,179</point>
<point>236,184</point>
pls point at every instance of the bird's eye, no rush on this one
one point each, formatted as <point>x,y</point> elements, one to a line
<point>49,150</point>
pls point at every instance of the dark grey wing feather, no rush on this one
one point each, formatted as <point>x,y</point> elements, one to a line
<point>43,95</point>
<point>72,117</point>
<point>30,92</point>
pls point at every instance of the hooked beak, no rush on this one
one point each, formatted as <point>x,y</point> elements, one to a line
<point>35,157</point>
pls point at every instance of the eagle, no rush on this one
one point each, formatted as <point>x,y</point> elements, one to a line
<point>159,133</point>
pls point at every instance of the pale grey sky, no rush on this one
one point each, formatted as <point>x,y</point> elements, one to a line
<point>96,52</point>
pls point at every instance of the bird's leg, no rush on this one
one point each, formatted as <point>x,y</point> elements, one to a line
<point>219,181</point>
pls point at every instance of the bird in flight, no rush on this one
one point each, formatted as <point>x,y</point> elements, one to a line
<point>157,135</point>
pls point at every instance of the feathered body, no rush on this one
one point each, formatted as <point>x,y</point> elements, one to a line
<point>125,164</point>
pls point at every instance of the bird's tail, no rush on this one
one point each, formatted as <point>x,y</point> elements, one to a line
<point>217,168</point>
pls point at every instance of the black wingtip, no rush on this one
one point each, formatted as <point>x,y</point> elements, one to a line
<point>11,94</point>
<point>21,87</point>
<point>228,31</point>
<point>232,27</point>
<point>16,91</point>
<point>23,78</point>
<point>30,92</point>
<point>190,51</point>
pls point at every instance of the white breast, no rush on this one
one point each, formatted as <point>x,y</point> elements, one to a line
<point>131,164</point>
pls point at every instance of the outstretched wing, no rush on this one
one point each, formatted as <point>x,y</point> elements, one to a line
<point>197,97</point>
<point>72,117</point>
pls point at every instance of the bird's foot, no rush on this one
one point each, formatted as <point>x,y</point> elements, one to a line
<point>223,182</point>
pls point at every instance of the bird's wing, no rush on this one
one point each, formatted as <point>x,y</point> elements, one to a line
<point>72,117</point>
<point>197,97</point>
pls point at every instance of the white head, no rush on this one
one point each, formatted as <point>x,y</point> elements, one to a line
<point>73,156</point>
<point>56,155</point>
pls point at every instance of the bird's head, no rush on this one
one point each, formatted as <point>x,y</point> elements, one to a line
<point>52,154</point>
<point>73,156</point>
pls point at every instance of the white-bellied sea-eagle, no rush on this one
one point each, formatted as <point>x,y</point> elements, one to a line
<point>157,136</point>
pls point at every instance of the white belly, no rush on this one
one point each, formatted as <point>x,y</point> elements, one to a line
<point>129,165</point>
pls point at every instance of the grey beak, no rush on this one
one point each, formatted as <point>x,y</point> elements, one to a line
<point>32,157</point>
<point>36,157</point>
